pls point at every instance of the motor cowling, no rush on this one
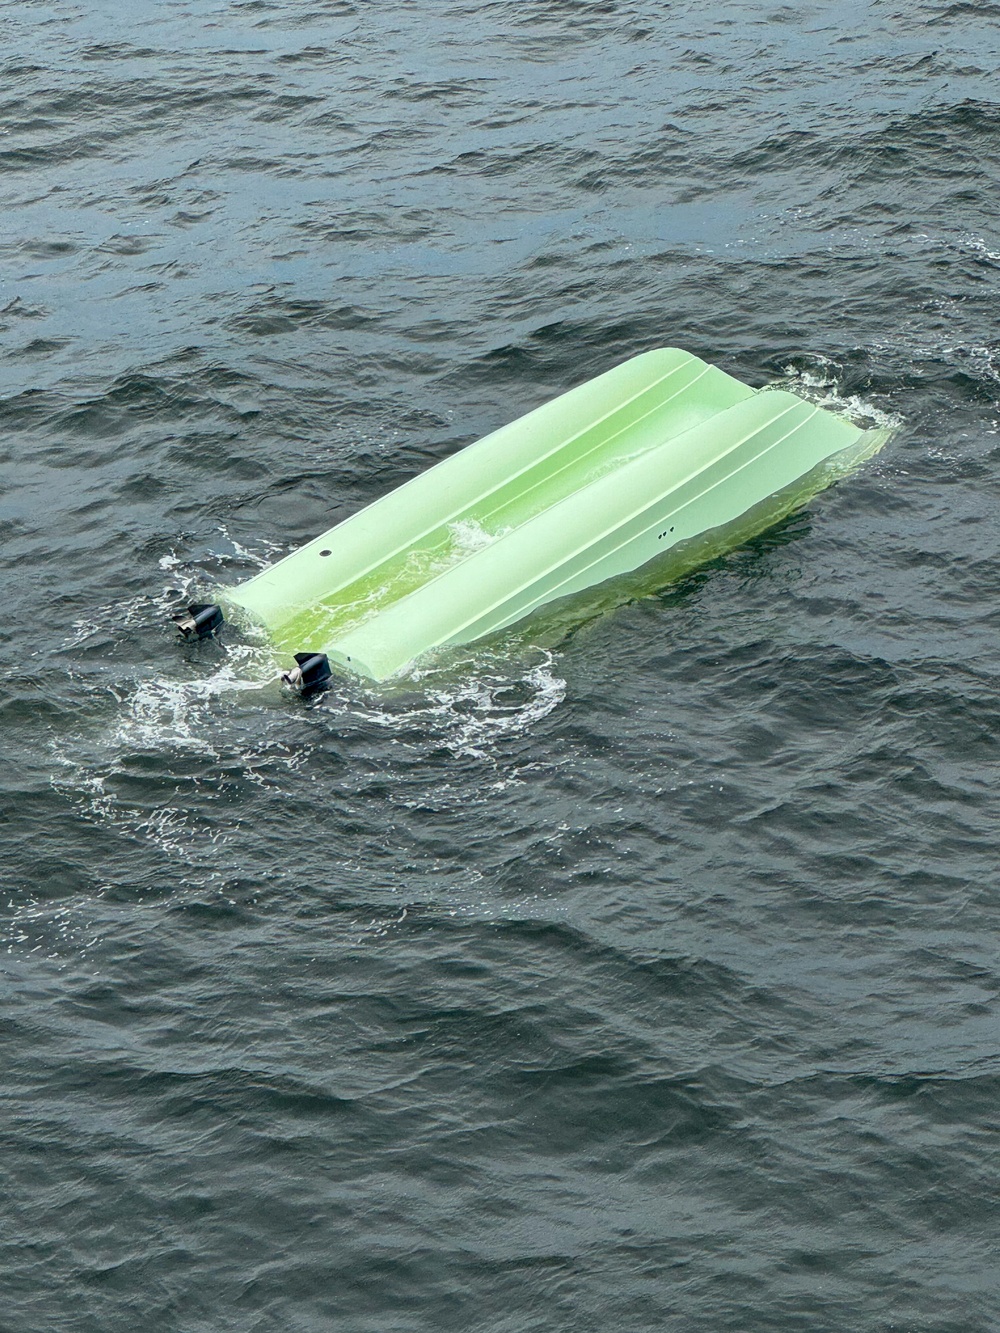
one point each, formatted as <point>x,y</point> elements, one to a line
<point>310,675</point>
<point>200,620</point>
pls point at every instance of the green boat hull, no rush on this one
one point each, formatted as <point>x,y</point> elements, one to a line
<point>601,480</point>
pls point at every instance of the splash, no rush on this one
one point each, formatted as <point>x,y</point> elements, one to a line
<point>474,713</point>
<point>468,536</point>
<point>821,382</point>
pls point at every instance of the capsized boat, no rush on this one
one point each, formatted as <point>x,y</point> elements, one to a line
<point>595,483</point>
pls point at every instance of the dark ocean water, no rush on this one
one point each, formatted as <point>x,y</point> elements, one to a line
<point>645,978</point>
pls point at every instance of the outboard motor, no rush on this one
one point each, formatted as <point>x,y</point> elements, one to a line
<point>310,675</point>
<point>200,620</point>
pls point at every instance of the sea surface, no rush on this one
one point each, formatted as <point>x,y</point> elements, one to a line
<point>642,976</point>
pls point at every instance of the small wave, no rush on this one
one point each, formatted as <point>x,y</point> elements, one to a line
<point>59,931</point>
<point>980,248</point>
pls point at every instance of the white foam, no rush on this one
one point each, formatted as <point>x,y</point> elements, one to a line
<point>470,716</point>
<point>162,711</point>
<point>204,707</point>
<point>821,383</point>
<point>469,536</point>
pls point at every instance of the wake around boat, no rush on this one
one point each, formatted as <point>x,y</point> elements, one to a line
<point>595,483</point>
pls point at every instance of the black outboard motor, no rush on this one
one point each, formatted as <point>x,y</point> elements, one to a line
<point>199,621</point>
<point>310,675</point>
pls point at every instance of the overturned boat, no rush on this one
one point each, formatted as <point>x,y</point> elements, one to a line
<point>595,483</point>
